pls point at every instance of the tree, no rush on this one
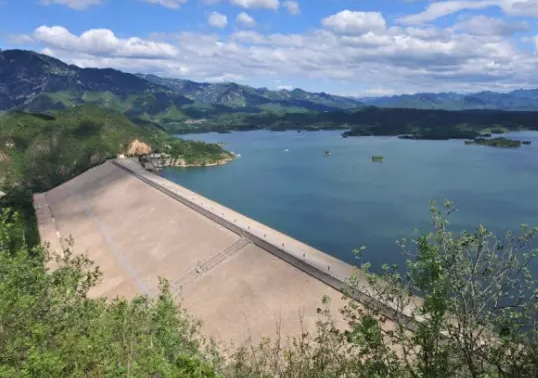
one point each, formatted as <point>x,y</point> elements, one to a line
<point>477,316</point>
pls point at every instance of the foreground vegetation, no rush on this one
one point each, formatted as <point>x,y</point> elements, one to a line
<point>479,318</point>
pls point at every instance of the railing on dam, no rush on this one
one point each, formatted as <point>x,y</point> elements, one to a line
<point>331,271</point>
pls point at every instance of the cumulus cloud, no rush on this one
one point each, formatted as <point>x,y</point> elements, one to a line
<point>217,20</point>
<point>361,54</point>
<point>245,19</point>
<point>73,4</point>
<point>349,22</point>
<point>172,4</point>
<point>484,26</point>
<point>102,42</point>
<point>293,7</point>
<point>268,4</point>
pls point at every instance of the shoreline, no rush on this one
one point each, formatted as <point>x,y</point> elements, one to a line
<point>180,163</point>
<point>156,162</point>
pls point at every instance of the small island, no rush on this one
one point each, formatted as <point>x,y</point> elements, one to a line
<point>495,142</point>
<point>377,159</point>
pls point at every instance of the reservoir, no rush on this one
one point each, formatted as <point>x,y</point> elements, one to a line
<point>341,200</point>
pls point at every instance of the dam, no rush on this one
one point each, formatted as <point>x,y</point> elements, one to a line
<point>243,279</point>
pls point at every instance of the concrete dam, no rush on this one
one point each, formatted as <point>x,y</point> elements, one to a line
<point>240,277</point>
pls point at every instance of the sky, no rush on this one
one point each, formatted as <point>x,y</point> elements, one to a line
<point>346,47</point>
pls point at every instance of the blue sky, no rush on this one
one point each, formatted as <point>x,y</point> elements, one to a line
<point>351,47</point>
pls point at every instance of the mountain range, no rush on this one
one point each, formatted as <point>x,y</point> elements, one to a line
<point>34,82</point>
<point>240,96</point>
<point>521,99</point>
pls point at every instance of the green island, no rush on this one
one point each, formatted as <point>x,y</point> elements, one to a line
<point>496,142</point>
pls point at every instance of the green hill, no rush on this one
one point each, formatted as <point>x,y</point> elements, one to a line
<point>40,151</point>
<point>38,83</point>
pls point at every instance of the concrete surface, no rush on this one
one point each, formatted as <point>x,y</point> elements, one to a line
<point>242,278</point>
<point>137,234</point>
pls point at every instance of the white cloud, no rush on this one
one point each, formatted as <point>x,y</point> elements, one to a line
<point>18,39</point>
<point>293,7</point>
<point>489,26</point>
<point>407,59</point>
<point>73,4</point>
<point>102,42</point>
<point>444,8</point>
<point>225,77</point>
<point>349,22</point>
<point>245,19</point>
<point>268,4</point>
<point>172,4</point>
<point>523,8</point>
<point>217,20</point>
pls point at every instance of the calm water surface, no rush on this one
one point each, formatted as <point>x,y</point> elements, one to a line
<point>338,202</point>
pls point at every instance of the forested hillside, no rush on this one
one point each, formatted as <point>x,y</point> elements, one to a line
<point>38,83</point>
<point>427,124</point>
<point>40,151</point>
<point>35,82</point>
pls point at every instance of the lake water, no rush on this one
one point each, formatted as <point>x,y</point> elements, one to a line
<point>336,203</point>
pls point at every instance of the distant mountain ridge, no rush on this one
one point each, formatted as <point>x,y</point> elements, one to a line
<point>232,94</point>
<point>518,100</point>
<point>35,82</point>
<point>24,75</point>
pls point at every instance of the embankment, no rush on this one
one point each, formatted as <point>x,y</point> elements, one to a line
<point>239,276</point>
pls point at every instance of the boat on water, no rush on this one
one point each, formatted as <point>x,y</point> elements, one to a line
<point>328,153</point>
<point>286,150</point>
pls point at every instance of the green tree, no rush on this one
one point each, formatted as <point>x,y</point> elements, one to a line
<point>477,315</point>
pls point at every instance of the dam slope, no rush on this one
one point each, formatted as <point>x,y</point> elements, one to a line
<point>241,278</point>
